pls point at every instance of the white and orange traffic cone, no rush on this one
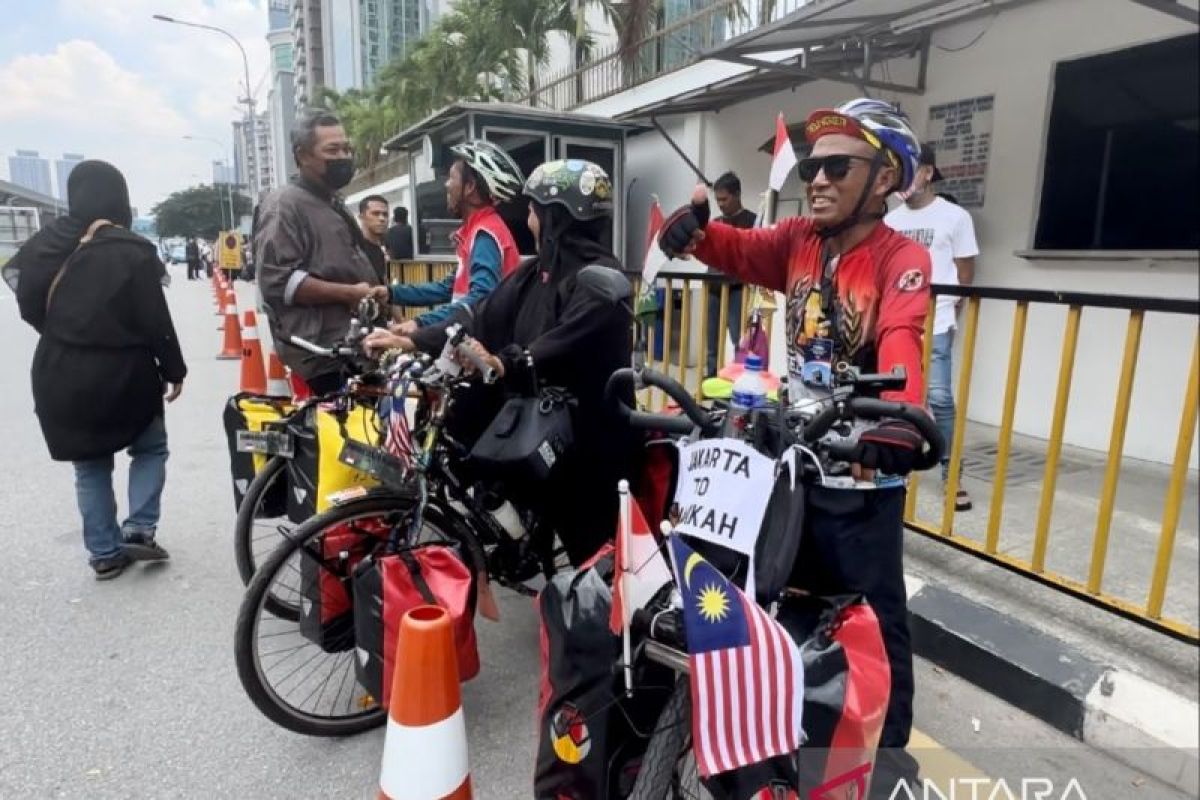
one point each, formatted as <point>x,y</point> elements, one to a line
<point>425,750</point>
<point>277,379</point>
<point>232,347</point>
<point>254,379</point>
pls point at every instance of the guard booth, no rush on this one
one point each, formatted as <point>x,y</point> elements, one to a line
<point>531,136</point>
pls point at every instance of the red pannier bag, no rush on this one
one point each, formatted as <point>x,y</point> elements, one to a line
<point>387,586</point>
<point>326,608</point>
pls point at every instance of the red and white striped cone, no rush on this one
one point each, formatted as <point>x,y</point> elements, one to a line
<point>425,751</point>
<point>277,379</point>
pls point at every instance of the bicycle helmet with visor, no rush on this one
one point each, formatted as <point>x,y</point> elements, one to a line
<point>880,125</point>
<point>583,188</point>
<point>496,167</point>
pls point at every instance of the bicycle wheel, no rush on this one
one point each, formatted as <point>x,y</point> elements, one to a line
<point>260,516</point>
<point>309,686</point>
<point>668,770</point>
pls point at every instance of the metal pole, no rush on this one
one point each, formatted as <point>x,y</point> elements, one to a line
<point>251,159</point>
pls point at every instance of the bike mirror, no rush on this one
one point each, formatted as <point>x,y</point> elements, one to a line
<point>605,282</point>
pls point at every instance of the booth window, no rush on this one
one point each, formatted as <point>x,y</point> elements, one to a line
<point>1121,152</point>
<point>435,223</point>
<point>528,150</point>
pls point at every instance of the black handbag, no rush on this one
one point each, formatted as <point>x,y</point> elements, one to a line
<point>529,435</point>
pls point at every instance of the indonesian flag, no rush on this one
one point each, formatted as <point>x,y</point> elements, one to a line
<point>654,260</point>
<point>641,569</point>
<point>784,159</point>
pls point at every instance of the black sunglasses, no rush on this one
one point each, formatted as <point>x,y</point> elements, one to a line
<point>836,166</point>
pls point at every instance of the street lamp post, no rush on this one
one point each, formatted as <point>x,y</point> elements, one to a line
<point>228,184</point>
<point>252,122</point>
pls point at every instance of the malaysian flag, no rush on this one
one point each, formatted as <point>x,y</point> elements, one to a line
<point>747,679</point>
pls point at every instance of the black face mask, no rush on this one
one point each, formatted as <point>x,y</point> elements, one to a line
<point>338,172</point>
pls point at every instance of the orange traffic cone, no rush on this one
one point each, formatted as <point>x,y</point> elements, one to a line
<point>277,379</point>
<point>233,334</point>
<point>254,380</point>
<point>425,750</point>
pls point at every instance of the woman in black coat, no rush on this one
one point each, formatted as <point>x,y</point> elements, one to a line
<point>106,356</point>
<point>572,333</point>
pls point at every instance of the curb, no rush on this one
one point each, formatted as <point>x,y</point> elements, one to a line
<point>1134,720</point>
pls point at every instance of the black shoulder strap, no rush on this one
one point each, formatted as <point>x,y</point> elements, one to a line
<point>414,569</point>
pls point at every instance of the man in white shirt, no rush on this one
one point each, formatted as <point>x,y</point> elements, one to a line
<point>945,229</point>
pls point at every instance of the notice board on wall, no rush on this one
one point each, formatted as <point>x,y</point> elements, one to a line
<point>960,132</point>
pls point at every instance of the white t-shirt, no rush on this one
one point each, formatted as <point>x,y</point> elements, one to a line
<point>947,232</point>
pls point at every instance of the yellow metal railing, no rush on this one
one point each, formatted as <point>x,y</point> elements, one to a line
<point>424,271</point>
<point>678,343</point>
<point>1090,587</point>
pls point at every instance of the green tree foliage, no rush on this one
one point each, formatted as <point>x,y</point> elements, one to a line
<point>198,211</point>
<point>482,50</point>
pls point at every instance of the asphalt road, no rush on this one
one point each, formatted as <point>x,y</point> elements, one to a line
<point>127,689</point>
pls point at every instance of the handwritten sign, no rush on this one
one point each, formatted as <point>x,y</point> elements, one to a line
<point>961,134</point>
<point>723,489</point>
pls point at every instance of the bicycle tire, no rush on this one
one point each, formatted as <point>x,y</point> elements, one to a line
<point>259,596</point>
<point>247,514</point>
<point>668,770</point>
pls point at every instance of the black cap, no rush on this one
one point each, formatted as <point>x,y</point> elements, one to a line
<point>929,158</point>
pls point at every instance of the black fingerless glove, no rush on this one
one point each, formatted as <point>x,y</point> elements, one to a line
<point>677,229</point>
<point>892,447</point>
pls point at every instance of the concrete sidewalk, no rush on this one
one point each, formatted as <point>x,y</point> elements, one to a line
<point>1136,523</point>
<point>1106,680</point>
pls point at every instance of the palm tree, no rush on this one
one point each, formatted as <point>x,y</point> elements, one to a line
<point>527,25</point>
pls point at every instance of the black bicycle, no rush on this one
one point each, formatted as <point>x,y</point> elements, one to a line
<point>823,435</point>
<point>428,494</point>
<point>262,520</point>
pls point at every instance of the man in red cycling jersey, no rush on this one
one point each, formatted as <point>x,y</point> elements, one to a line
<point>857,292</point>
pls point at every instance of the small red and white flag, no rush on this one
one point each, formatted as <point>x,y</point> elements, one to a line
<point>783,161</point>
<point>653,261</point>
<point>641,568</point>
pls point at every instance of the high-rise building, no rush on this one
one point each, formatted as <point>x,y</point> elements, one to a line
<point>30,170</point>
<point>240,167</point>
<point>281,97</point>
<point>281,108</point>
<point>253,173</point>
<point>264,175</point>
<point>222,173</point>
<point>343,44</point>
<point>62,171</point>
<point>309,62</point>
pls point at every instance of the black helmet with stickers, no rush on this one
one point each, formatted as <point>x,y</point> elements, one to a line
<point>581,187</point>
<point>496,167</point>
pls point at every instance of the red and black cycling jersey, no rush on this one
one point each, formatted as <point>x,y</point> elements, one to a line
<point>874,304</point>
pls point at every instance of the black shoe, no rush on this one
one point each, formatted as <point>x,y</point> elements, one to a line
<point>109,568</point>
<point>142,547</point>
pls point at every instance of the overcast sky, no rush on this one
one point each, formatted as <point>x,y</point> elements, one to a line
<point>101,78</point>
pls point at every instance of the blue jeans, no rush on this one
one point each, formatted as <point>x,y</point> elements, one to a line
<point>941,396</point>
<point>102,536</point>
<point>733,323</point>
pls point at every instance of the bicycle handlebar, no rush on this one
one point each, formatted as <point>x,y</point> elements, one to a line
<point>867,408</point>
<point>487,373</point>
<point>870,408</point>
<point>693,415</point>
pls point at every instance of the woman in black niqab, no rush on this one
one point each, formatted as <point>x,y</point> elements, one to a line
<point>574,335</point>
<point>107,353</point>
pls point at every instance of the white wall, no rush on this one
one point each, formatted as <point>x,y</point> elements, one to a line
<point>1014,60</point>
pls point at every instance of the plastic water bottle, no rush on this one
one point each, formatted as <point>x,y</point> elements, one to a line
<point>749,393</point>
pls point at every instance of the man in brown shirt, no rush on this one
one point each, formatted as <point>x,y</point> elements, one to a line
<point>313,268</point>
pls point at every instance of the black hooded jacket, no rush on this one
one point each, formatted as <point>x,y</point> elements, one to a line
<point>107,342</point>
<point>576,340</point>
